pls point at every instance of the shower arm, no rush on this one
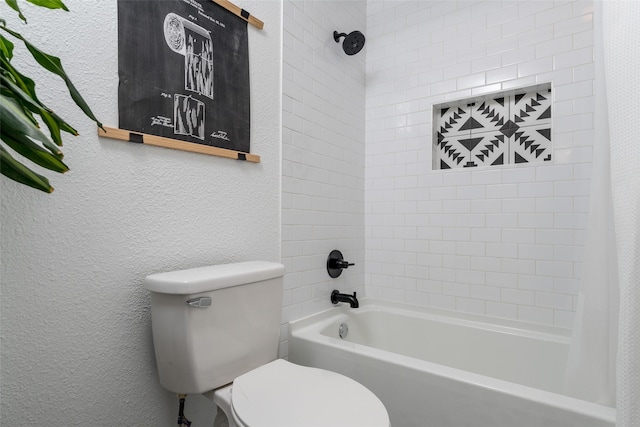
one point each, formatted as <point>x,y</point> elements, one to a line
<point>337,36</point>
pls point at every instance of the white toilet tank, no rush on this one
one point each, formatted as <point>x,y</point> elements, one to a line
<point>213,324</point>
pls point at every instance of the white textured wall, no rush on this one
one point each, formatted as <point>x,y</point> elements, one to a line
<point>501,241</point>
<point>323,153</point>
<point>76,340</point>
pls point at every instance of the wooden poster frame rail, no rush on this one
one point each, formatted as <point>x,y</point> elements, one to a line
<point>159,141</point>
<point>240,12</point>
<point>176,144</point>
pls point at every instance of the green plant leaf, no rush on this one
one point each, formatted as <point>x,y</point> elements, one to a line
<point>48,115</point>
<point>64,125</point>
<point>24,83</point>
<point>53,122</point>
<point>29,86</point>
<point>54,65</point>
<point>54,128</point>
<point>55,125</point>
<point>51,4</point>
<point>6,47</point>
<point>28,114</point>
<point>19,129</point>
<point>14,5</point>
<point>16,171</point>
<point>12,73</point>
<point>10,90</point>
<point>32,151</point>
<point>24,98</point>
<point>14,121</point>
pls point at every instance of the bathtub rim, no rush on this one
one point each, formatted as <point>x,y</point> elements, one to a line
<point>498,324</point>
<point>310,328</point>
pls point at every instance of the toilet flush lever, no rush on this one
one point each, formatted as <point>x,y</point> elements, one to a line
<point>202,302</point>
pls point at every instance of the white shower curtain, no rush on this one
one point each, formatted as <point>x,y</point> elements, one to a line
<point>592,356</point>
<point>613,242</point>
<point>621,36</point>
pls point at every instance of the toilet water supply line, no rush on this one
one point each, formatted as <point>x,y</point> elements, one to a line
<point>182,420</point>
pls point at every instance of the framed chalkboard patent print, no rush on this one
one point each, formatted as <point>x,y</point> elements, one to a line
<point>183,68</point>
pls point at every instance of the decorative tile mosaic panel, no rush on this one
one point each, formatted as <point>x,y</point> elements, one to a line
<point>508,128</point>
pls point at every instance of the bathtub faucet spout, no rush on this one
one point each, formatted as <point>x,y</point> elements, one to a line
<point>337,297</point>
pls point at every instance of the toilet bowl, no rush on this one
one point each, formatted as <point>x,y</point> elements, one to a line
<point>282,394</point>
<point>216,331</point>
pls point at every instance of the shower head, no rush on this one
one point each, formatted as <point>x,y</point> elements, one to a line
<point>352,44</point>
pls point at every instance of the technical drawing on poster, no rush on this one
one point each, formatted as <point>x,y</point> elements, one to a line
<point>184,72</point>
<point>188,118</point>
<point>194,44</point>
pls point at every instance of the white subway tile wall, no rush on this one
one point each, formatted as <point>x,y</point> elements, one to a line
<point>323,151</point>
<point>502,241</point>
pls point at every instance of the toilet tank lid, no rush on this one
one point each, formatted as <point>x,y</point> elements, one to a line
<point>211,278</point>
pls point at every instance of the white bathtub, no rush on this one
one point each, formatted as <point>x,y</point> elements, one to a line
<point>435,368</point>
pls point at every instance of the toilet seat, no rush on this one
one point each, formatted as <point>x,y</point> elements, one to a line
<point>282,394</point>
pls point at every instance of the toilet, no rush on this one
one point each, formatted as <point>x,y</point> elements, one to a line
<point>216,332</point>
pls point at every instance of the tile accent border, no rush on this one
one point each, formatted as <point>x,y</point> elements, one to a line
<point>511,127</point>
